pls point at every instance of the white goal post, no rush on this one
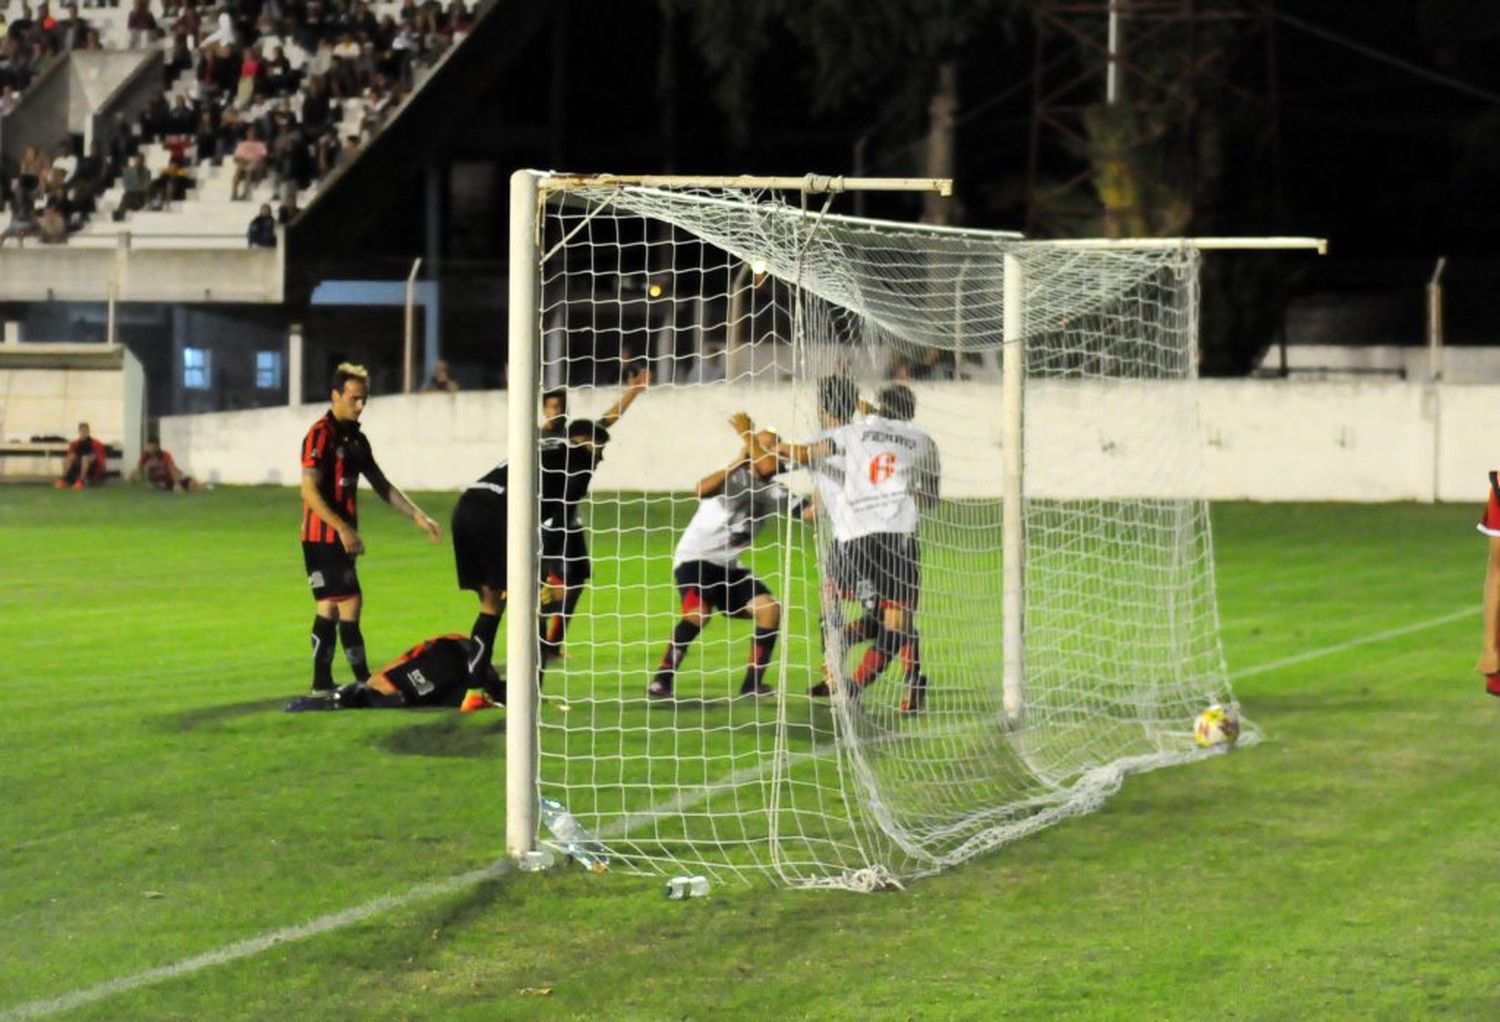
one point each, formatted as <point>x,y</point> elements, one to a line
<point>1046,626</point>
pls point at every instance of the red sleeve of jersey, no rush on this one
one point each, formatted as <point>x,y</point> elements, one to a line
<point>142,462</point>
<point>98,448</point>
<point>73,447</point>
<point>1490,523</point>
<point>313,445</point>
<point>166,461</point>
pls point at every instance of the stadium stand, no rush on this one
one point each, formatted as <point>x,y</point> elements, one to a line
<point>259,104</point>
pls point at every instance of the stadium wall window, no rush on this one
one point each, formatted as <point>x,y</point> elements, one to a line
<point>195,368</point>
<point>267,370</point>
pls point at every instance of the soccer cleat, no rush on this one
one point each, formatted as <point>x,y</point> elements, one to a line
<point>78,485</point>
<point>660,688</point>
<point>915,696</point>
<point>303,704</point>
<point>476,699</point>
<point>1492,684</point>
<point>820,691</point>
<point>58,484</point>
<point>756,688</point>
<point>320,686</point>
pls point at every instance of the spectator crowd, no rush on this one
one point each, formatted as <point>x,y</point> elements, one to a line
<point>282,91</point>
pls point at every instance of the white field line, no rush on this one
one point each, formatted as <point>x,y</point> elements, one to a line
<point>421,892</point>
<point>1339,647</point>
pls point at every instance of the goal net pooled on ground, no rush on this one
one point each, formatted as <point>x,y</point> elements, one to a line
<point>1065,623</point>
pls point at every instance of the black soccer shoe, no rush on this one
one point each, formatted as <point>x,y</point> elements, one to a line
<point>660,688</point>
<point>320,685</point>
<point>303,704</point>
<point>820,690</point>
<point>758,689</point>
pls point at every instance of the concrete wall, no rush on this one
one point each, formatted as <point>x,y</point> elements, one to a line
<point>47,389</point>
<point>1455,365</point>
<point>145,274</point>
<point>1273,440</point>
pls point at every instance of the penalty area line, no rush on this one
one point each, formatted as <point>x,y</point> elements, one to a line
<point>359,913</point>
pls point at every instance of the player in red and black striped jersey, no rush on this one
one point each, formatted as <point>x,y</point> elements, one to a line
<point>1489,656</point>
<point>158,469</point>
<point>434,672</point>
<point>334,455</point>
<point>85,463</point>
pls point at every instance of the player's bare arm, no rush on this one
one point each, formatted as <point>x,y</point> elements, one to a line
<point>1489,656</point>
<point>348,538</point>
<point>639,381</point>
<point>392,495</point>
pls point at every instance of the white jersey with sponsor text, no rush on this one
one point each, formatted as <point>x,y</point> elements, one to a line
<point>828,479</point>
<point>724,524</point>
<point>887,463</point>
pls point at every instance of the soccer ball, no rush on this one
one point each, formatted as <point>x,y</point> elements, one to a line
<point>1216,726</point>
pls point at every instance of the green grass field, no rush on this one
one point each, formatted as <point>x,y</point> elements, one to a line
<point>160,807</point>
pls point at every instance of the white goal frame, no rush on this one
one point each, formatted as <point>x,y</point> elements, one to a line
<point>529,189</point>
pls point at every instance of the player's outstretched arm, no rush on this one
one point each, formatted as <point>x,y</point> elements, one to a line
<point>639,381</point>
<point>392,495</point>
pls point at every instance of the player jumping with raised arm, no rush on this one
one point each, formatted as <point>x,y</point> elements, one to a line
<point>735,502</point>
<point>566,567</point>
<point>890,474</point>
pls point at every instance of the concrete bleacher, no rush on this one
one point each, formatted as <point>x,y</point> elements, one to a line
<point>207,216</point>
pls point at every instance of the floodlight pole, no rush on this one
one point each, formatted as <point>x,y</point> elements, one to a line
<point>522,522</point>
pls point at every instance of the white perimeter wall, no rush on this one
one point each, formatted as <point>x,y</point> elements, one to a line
<point>1272,440</point>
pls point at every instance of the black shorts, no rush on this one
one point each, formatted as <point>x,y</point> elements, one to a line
<point>436,676</point>
<point>887,568</point>
<point>565,555</point>
<point>479,538</point>
<point>719,587</point>
<point>330,571</point>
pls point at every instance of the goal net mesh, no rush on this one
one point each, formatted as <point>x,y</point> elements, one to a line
<point>743,300</point>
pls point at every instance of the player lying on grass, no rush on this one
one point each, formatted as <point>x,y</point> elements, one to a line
<point>432,673</point>
<point>735,502</point>
<point>1489,656</point>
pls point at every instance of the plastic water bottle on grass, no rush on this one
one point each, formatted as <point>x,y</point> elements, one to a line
<point>578,843</point>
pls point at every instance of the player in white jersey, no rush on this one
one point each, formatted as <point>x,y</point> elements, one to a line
<point>735,502</point>
<point>890,474</point>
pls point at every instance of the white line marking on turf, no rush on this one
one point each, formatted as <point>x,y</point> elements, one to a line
<point>683,800</point>
<point>1390,633</point>
<point>253,946</point>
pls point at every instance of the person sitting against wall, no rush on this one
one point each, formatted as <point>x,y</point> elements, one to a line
<point>157,469</point>
<point>22,220</point>
<point>85,462</point>
<point>262,230</point>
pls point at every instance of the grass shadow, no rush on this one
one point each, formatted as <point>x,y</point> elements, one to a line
<point>208,716</point>
<point>447,736</point>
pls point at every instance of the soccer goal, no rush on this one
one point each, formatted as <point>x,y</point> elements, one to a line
<point>1058,589</point>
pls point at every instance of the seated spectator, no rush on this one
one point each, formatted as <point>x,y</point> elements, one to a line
<point>122,145</point>
<point>442,380</point>
<point>73,31</point>
<point>157,469</point>
<point>85,462</point>
<point>141,25</point>
<point>135,181</point>
<point>207,144</point>
<point>52,228</point>
<point>172,183</point>
<point>249,164</point>
<point>262,231</point>
<point>22,220</point>
<point>250,71</point>
<point>181,118</point>
<point>288,210</point>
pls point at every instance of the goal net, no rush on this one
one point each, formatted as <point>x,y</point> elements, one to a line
<point>1053,607</point>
